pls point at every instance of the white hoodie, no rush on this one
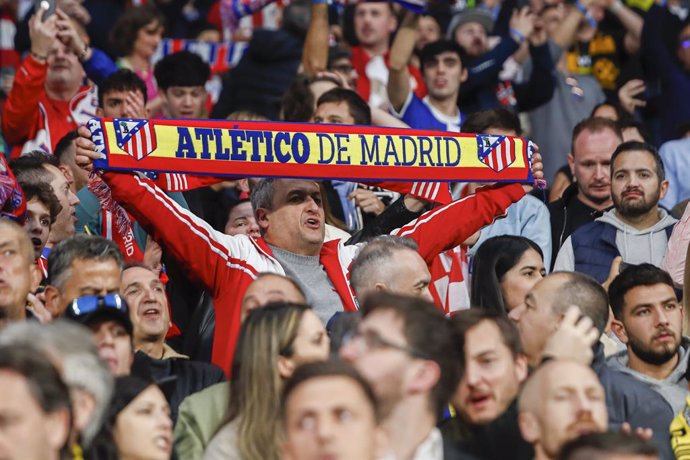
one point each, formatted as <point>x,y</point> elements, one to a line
<point>635,246</point>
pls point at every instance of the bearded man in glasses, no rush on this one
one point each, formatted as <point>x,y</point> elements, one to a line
<point>407,351</point>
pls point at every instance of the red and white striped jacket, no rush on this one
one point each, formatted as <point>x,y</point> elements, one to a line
<point>226,265</point>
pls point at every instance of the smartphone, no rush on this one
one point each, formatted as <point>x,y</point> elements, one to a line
<point>48,5</point>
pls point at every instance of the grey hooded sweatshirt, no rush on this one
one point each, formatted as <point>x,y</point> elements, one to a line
<point>673,388</point>
<point>635,246</point>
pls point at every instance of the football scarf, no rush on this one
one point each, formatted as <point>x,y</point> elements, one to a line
<point>302,150</point>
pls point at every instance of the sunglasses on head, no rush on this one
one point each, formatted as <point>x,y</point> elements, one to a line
<point>90,303</point>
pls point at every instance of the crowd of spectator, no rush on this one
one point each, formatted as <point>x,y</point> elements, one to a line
<point>173,316</point>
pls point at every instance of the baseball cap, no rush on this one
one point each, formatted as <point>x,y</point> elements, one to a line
<point>94,308</point>
<point>479,16</point>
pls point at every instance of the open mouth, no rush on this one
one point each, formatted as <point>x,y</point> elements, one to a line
<point>313,223</point>
<point>163,442</point>
<point>479,400</point>
<point>151,313</point>
<point>36,242</point>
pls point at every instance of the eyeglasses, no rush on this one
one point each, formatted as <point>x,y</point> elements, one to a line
<point>90,303</point>
<point>370,340</point>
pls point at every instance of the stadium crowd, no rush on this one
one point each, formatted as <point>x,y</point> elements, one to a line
<point>176,316</point>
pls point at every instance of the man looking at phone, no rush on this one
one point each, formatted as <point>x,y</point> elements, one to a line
<point>48,98</point>
<point>636,229</point>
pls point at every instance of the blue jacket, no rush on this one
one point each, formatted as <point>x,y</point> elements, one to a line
<point>594,246</point>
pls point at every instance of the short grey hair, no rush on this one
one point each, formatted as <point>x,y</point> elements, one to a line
<point>81,366</point>
<point>373,260</point>
<point>87,247</point>
<point>262,194</point>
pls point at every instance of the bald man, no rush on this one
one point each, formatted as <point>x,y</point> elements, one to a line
<point>19,276</point>
<point>561,401</point>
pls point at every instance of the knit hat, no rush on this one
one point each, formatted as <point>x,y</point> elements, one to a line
<point>479,16</point>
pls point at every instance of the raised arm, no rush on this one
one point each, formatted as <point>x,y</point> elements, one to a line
<point>232,11</point>
<point>632,22</point>
<point>654,49</point>
<point>315,54</point>
<point>448,226</point>
<point>96,63</point>
<point>567,29</point>
<point>21,108</point>
<point>401,51</point>
<point>204,252</point>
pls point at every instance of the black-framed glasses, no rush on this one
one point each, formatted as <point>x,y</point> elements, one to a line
<point>89,303</point>
<point>371,340</point>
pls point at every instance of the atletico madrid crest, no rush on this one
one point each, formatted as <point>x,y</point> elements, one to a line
<point>136,137</point>
<point>497,152</point>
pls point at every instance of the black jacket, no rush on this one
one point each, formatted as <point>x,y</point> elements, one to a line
<point>178,377</point>
<point>262,76</point>
<point>498,440</point>
<point>568,213</point>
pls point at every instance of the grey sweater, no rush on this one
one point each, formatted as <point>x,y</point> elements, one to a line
<point>673,388</point>
<point>311,276</point>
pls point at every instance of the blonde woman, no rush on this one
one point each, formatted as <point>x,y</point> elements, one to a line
<point>273,342</point>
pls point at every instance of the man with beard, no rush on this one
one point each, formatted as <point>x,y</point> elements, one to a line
<point>649,320</point>
<point>593,142</point>
<point>560,401</point>
<point>636,229</point>
<point>627,399</point>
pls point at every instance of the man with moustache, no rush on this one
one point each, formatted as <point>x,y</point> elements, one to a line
<point>561,401</point>
<point>649,321</point>
<point>636,229</point>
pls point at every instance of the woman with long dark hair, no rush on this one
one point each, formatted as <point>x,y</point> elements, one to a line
<point>504,269</point>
